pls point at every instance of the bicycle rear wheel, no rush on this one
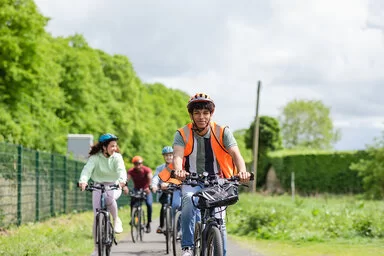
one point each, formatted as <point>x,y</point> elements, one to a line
<point>168,229</point>
<point>135,225</point>
<point>176,236</point>
<point>214,242</point>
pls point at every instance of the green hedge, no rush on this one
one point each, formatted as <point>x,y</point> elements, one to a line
<point>317,172</point>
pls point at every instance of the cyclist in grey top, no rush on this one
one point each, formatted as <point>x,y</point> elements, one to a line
<point>203,146</point>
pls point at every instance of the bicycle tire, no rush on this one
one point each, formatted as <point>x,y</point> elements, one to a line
<point>101,228</point>
<point>176,236</point>
<point>135,225</point>
<point>197,238</point>
<point>214,242</point>
<point>168,229</point>
<point>142,223</point>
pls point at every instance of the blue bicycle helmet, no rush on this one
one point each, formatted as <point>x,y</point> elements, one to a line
<point>167,150</point>
<point>107,138</point>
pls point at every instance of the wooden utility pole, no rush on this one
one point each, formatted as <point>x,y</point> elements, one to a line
<point>256,138</point>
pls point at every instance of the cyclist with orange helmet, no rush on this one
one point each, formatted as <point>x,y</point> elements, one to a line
<point>105,166</point>
<point>141,176</point>
<point>203,146</point>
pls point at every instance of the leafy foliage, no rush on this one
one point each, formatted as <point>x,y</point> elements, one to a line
<point>269,135</point>
<point>307,124</point>
<point>306,219</point>
<point>371,170</point>
<point>50,87</point>
<point>318,172</point>
<point>269,141</point>
<point>241,143</point>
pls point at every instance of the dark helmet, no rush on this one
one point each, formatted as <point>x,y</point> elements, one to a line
<point>106,138</point>
<point>167,150</point>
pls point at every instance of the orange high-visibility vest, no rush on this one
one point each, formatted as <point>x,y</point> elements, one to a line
<point>223,158</point>
<point>165,175</point>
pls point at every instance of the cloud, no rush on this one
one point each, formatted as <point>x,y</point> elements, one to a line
<point>331,51</point>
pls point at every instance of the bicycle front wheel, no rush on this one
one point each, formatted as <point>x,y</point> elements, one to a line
<point>197,238</point>
<point>142,223</point>
<point>135,225</point>
<point>168,228</point>
<point>101,228</point>
<point>214,242</point>
<point>176,236</point>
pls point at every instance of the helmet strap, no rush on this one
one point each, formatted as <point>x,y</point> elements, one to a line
<point>197,129</point>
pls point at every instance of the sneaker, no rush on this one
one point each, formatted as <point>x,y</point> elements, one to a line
<point>187,251</point>
<point>159,230</point>
<point>148,227</point>
<point>118,226</point>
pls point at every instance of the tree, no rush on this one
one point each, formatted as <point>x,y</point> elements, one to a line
<point>307,124</point>
<point>269,135</point>
<point>21,27</point>
<point>372,170</point>
<point>50,87</point>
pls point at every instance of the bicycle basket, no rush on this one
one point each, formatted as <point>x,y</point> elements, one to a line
<point>217,196</point>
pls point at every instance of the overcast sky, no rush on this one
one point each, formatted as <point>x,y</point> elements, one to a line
<point>328,50</point>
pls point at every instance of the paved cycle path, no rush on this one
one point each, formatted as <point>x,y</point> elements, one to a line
<point>154,245</point>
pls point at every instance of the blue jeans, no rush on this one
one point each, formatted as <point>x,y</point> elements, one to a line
<point>176,201</point>
<point>189,215</point>
<point>176,204</point>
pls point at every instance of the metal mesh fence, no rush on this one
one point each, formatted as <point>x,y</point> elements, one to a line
<point>37,185</point>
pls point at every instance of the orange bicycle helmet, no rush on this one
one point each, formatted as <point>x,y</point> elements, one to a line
<point>137,159</point>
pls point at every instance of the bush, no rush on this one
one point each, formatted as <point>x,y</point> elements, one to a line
<point>312,219</point>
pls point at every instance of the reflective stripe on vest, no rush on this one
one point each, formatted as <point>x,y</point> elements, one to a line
<point>223,158</point>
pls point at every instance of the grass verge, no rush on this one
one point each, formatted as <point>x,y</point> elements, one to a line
<point>366,247</point>
<point>69,234</point>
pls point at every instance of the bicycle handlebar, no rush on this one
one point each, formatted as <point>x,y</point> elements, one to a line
<point>139,194</point>
<point>91,187</point>
<point>194,179</point>
<point>170,188</point>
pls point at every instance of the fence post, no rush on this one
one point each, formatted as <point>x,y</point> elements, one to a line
<point>37,206</point>
<point>52,187</point>
<point>19,171</point>
<point>76,189</point>
<point>65,184</point>
<point>293,185</point>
